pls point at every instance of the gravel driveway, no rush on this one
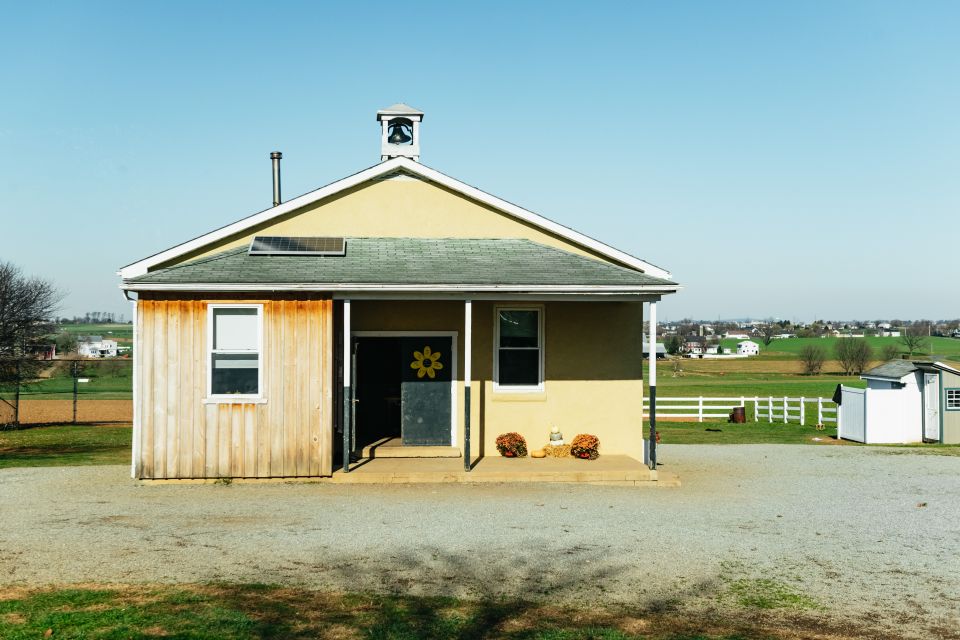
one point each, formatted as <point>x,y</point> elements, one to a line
<point>868,535</point>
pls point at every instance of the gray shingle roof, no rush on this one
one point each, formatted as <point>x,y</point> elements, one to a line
<point>408,261</point>
<point>894,369</point>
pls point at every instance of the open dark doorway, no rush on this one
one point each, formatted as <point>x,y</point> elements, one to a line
<point>403,390</point>
<point>377,394</point>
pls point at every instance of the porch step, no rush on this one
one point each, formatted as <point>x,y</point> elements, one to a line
<point>607,470</point>
<point>394,448</point>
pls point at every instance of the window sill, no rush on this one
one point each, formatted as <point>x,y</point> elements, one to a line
<point>237,400</point>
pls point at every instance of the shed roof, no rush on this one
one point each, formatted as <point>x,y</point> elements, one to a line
<point>897,369</point>
<point>893,369</point>
<point>409,262</point>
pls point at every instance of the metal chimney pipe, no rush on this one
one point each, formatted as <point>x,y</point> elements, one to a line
<point>275,157</point>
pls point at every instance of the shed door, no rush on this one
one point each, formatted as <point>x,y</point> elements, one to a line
<point>931,410</point>
<point>425,390</point>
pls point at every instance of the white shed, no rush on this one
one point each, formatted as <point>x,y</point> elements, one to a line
<point>904,402</point>
<point>748,348</point>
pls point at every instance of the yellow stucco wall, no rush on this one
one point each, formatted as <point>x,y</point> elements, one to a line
<point>394,209</point>
<point>951,419</point>
<point>593,375</point>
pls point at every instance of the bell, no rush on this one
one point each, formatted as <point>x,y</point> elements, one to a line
<point>398,135</point>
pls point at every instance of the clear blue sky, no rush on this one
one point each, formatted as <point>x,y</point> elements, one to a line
<point>782,159</point>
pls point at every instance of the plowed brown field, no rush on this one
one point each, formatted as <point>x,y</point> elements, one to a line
<point>44,411</point>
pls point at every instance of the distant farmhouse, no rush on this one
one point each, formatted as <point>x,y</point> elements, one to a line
<point>748,348</point>
<point>695,345</point>
<point>96,347</point>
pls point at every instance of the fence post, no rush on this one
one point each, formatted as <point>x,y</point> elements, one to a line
<point>770,408</point>
<point>16,399</point>
<point>803,414</point>
<point>76,375</point>
<point>700,419</point>
<point>819,410</point>
<point>756,410</point>
<point>784,409</point>
<point>839,414</point>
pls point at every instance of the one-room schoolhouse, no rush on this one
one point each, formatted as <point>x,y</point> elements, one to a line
<point>397,305</point>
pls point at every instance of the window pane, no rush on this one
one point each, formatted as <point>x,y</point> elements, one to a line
<point>235,329</point>
<point>519,328</point>
<point>520,367</point>
<point>953,399</point>
<point>235,373</point>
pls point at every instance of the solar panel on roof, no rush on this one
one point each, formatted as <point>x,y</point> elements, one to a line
<point>297,246</point>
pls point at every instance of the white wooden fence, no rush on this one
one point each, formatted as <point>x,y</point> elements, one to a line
<point>769,409</point>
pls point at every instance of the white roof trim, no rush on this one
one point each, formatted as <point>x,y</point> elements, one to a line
<point>946,367</point>
<point>864,376</point>
<point>141,267</point>
<point>365,286</point>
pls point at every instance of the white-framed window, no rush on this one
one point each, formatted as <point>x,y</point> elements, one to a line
<point>952,399</point>
<point>234,356</point>
<point>518,348</point>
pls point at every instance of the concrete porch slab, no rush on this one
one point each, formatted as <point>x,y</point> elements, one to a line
<point>394,448</point>
<point>606,470</point>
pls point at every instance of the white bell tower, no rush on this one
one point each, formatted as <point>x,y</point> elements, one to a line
<point>399,132</point>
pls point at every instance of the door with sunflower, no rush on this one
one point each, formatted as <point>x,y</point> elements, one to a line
<point>425,390</point>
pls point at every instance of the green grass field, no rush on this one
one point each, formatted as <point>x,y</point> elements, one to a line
<point>106,379</point>
<point>750,433</point>
<point>789,348</point>
<point>750,377</point>
<point>255,611</point>
<point>763,385</point>
<point>60,446</point>
<point>114,331</point>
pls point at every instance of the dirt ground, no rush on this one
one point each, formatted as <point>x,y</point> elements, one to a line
<point>47,411</point>
<point>864,538</point>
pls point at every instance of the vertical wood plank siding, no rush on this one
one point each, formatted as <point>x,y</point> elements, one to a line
<point>288,435</point>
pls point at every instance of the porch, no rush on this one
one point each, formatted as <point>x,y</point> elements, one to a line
<point>615,470</point>
<point>503,364</point>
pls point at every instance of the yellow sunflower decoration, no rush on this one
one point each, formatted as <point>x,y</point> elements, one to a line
<point>426,363</point>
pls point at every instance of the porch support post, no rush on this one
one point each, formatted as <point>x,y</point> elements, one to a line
<point>652,350</point>
<point>135,455</point>
<point>347,391</point>
<point>467,357</point>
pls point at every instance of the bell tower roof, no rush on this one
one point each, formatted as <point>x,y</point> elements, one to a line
<point>399,132</point>
<point>399,109</point>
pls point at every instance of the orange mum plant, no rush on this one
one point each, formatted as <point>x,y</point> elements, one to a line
<point>512,445</point>
<point>585,446</point>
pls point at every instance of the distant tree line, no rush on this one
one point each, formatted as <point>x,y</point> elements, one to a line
<point>94,317</point>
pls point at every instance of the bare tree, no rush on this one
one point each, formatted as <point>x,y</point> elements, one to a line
<point>27,305</point>
<point>768,331</point>
<point>812,356</point>
<point>889,352</point>
<point>854,355</point>
<point>914,337</point>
